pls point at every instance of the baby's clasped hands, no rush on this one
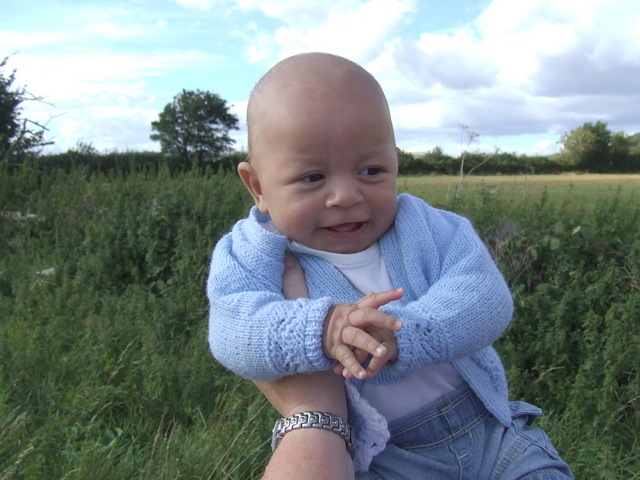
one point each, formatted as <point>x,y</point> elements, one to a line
<point>353,331</point>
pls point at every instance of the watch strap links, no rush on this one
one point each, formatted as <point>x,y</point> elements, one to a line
<point>313,419</point>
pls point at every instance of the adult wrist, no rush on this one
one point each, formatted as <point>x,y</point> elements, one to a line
<point>313,419</point>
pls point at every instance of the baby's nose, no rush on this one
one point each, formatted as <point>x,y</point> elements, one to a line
<point>343,193</point>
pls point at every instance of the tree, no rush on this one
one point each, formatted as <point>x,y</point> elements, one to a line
<point>592,147</point>
<point>17,135</point>
<point>195,126</point>
<point>634,143</point>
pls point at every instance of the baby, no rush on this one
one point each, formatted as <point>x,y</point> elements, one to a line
<point>427,392</point>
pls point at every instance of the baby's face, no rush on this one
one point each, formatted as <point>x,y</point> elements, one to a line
<point>327,167</point>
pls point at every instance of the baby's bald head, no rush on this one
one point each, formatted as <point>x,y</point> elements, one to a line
<point>299,85</point>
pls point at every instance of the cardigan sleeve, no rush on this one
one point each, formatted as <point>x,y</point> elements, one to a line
<point>253,330</point>
<point>456,300</point>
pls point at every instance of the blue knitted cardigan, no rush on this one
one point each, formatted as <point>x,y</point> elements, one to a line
<point>456,304</point>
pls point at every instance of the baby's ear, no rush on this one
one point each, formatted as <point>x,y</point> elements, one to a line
<point>250,179</point>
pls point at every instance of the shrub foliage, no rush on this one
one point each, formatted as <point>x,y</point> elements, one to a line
<point>104,367</point>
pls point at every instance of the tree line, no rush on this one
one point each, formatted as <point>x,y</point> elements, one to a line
<point>590,148</point>
<point>193,132</point>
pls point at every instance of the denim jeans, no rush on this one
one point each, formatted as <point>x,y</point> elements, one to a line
<point>455,437</point>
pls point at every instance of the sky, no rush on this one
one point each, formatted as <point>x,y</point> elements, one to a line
<point>519,73</point>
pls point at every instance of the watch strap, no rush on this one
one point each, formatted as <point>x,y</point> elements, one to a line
<point>313,419</point>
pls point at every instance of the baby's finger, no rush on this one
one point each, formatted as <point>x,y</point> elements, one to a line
<point>376,363</point>
<point>357,338</point>
<point>361,355</point>
<point>370,317</point>
<point>377,299</point>
<point>345,356</point>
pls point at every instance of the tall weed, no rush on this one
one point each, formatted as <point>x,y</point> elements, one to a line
<point>104,367</point>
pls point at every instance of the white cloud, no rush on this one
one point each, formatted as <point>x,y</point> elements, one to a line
<point>107,126</point>
<point>16,41</point>
<point>112,31</point>
<point>79,28</point>
<point>453,62</point>
<point>556,48</point>
<point>523,67</point>
<point>354,29</point>
<point>240,136</point>
<point>545,147</point>
<point>101,97</point>
<point>74,76</point>
<point>305,13</point>
<point>205,5</point>
<point>259,44</point>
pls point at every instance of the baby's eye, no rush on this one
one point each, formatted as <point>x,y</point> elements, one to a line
<point>313,177</point>
<point>371,171</point>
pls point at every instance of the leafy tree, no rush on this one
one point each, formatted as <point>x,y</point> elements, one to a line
<point>634,143</point>
<point>621,158</point>
<point>592,147</point>
<point>195,126</point>
<point>17,134</point>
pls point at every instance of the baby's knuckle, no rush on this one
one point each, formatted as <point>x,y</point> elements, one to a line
<point>346,359</point>
<point>353,335</point>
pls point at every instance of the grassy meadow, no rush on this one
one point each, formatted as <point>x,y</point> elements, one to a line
<point>105,371</point>
<point>588,188</point>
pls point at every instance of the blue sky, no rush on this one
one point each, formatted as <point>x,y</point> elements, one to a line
<point>518,72</point>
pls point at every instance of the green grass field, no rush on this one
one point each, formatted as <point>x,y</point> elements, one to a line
<point>105,371</point>
<point>575,188</point>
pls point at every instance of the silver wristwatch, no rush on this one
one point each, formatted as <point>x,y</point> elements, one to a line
<point>326,421</point>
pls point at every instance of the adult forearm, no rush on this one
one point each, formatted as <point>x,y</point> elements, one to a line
<point>310,454</point>
<point>323,391</point>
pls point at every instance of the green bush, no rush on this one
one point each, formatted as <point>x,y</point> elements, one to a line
<point>573,347</point>
<point>105,370</point>
<point>103,347</point>
<point>574,344</point>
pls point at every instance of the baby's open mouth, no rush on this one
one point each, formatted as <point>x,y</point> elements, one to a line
<point>350,227</point>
